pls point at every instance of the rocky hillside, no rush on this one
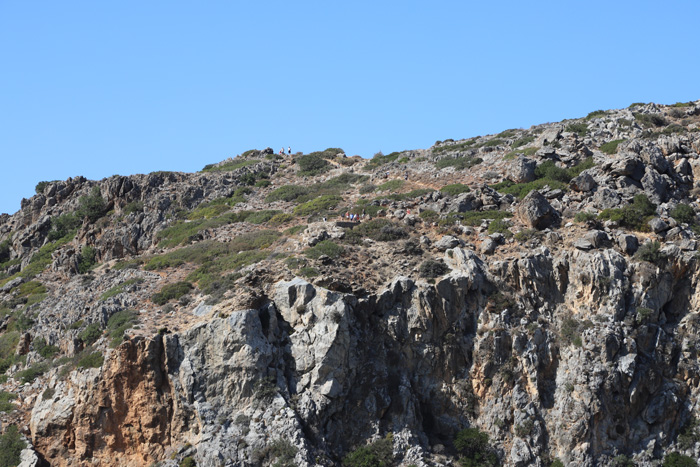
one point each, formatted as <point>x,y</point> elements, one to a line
<point>525,298</point>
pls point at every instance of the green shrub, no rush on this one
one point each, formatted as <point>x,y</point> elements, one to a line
<point>311,164</point>
<point>611,146</point>
<point>188,462</point>
<point>263,183</point>
<point>391,185</point>
<point>41,186</point>
<point>90,334</point>
<point>171,292</point>
<point>118,323</point>
<point>233,165</point>
<point>92,360</point>
<point>280,218</point>
<point>500,226</point>
<point>45,350</point>
<point>431,269</point>
<point>326,247</point>
<point>31,373</point>
<point>595,114</point>
<point>522,141</point>
<point>459,163</point>
<point>382,230</point>
<point>377,454</point>
<point>429,215</point>
<point>557,463</point>
<point>633,216</point>
<point>318,205</point>
<point>280,453</point>
<point>473,445</point>
<point>6,399</point>
<point>260,217</point>
<point>134,206</point>
<point>570,330</point>
<point>683,213</point>
<point>287,193</point>
<point>380,159</point>
<point>584,216</point>
<point>88,259</point>
<point>11,446</point>
<point>526,235</point>
<point>579,128</point>
<point>676,459</point>
<point>42,258</point>
<point>92,206</point>
<point>454,147</point>
<point>650,120</point>
<point>651,252</point>
<point>454,189</point>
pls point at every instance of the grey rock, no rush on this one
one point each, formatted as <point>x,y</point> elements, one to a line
<point>658,225</point>
<point>655,186</point>
<point>522,170</point>
<point>535,211</point>
<point>584,182</point>
<point>488,246</point>
<point>605,198</point>
<point>628,243</point>
<point>447,242</point>
<point>12,284</point>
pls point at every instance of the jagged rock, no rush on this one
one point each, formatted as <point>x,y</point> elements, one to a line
<point>12,284</point>
<point>655,186</point>
<point>584,182</point>
<point>29,458</point>
<point>658,225</point>
<point>488,246</point>
<point>605,198</point>
<point>447,242</point>
<point>535,211</point>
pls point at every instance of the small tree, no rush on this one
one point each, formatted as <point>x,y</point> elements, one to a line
<point>475,449</point>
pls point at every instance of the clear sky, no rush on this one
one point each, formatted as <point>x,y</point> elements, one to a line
<point>120,87</point>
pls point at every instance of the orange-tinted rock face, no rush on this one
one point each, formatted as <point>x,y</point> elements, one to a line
<point>127,412</point>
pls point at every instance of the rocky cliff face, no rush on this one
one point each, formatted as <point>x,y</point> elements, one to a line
<point>537,286</point>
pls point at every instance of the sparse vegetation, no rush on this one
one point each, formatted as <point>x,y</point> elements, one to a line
<point>325,248</point>
<point>6,399</point>
<point>91,333</point>
<point>431,269</point>
<point>474,448</point>
<point>683,213</point>
<point>579,128</point>
<point>459,163</point>
<point>311,164</point>
<point>633,216</point>
<point>376,454</point>
<point>118,323</point>
<point>117,289</point>
<point>91,360</point>
<point>11,446</point>
<point>455,189</point>
<point>171,292</point>
<point>611,146</point>
<point>235,164</point>
<point>651,252</point>
<point>676,459</point>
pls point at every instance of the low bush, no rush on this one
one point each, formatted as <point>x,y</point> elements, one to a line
<point>118,323</point>
<point>134,206</point>
<point>11,446</point>
<point>430,269</point>
<point>88,259</point>
<point>380,159</point>
<point>676,459</point>
<point>651,252</point>
<point>31,373</point>
<point>579,128</point>
<point>633,216</point>
<point>43,349</point>
<point>171,292</point>
<point>500,226</point>
<point>454,189</point>
<point>650,120</point>
<point>584,216</point>
<point>683,213</point>
<point>459,163</point>
<point>6,399</point>
<point>317,206</point>
<point>522,141</point>
<point>287,193</point>
<point>474,448</point>
<point>611,146</point>
<point>595,114</point>
<point>90,334</point>
<point>188,462</point>
<point>230,166</point>
<point>91,360</point>
<point>311,164</point>
<point>391,185</point>
<point>377,454</point>
<point>327,248</point>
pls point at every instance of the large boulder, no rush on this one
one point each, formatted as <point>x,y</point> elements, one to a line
<point>535,211</point>
<point>522,170</point>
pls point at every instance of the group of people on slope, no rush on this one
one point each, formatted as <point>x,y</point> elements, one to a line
<point>289,150</point>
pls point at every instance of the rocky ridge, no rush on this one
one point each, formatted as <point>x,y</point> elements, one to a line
<point>538,286</point>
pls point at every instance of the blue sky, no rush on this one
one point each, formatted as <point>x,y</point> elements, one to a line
<point>102,88</point>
